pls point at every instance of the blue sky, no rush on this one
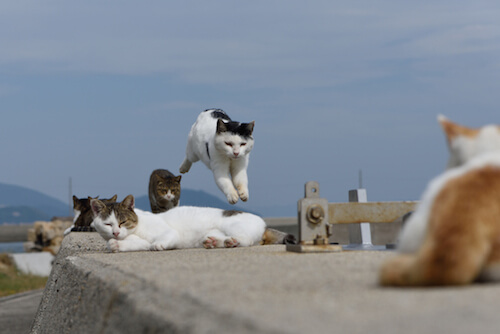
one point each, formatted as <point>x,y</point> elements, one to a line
<point>105,92</point>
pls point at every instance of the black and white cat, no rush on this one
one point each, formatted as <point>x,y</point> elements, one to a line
<point>224,147</point>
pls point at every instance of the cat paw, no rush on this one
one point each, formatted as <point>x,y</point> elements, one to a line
<point>395,271</point>
<point>231,243</point>
<point>113,245</point>
<point>159,246</point>
<point>233,197</point>
<point>185,167</point>
<point>243,193</point>
<point>210,242</point>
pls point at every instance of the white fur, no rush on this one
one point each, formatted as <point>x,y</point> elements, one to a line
<point>228,163</point>
<point>463,148</point>
<point>75,217</point>
<point>414,231</point>
<point>170,197</point>
<point>181,227</point>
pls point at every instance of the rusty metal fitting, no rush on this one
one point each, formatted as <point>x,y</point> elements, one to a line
<point>320,240</point>
<point>315,214</point>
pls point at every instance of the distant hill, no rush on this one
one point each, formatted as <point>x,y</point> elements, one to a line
<point>192,197</point>
<point>28,205</point>
<point>22,205</point>
<point>22,214</point>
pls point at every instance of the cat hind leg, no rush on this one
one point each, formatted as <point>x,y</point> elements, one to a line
<point>210,242</point>
<point>214,239</point>
<point>185,166</point>
<point>491,270</point>
<point>231,242</point>
<point>437,263</point>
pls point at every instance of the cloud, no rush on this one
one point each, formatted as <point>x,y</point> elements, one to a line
<point>282,44</point>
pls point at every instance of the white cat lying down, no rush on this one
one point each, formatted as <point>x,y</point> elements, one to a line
<point>129,229</point>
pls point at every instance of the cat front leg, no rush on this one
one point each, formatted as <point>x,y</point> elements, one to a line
<point>166,241</point>
<point>240,178</point>
<point>223,180</point>
<point>129,244</point>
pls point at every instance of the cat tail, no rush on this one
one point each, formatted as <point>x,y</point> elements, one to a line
<point>272,236</point>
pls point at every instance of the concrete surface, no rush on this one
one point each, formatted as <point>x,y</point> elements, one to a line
<point>18,311</point>
<point>39,264</point>
<point>260,289</point>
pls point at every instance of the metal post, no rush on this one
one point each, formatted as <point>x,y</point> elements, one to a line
<point>313,223</point>
<point>360,237</point>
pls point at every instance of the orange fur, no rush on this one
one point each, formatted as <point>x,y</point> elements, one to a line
<point>453,130</point>
<point>463,234</point>
<point>272,236</point>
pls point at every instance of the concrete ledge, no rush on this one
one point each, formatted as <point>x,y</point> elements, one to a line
<point>260,289</point>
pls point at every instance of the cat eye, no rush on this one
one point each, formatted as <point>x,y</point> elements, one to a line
<point>229,144</point>
<point>243,144</point>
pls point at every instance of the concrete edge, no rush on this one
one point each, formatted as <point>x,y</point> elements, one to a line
<point>83,295</point>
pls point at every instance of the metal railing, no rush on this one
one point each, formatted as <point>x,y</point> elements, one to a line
<point>316,218</point>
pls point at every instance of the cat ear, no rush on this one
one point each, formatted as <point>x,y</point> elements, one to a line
<point>128,202</point>
<point>113,199</point>
<point>250,127</point>
<point>178,178</point>
<point>97,206</point>
<point>221,126</point>
<point>452,130</point>
<point>155,177</point>
<point>75,200</point>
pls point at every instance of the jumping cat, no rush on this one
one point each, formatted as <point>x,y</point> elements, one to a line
<point>453,237</point>
<point>83,216</point>
<point>164,190</point>
<point>224,147</point>
<point>129,229</point>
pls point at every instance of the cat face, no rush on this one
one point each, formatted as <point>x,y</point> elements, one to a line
<point>234,139</point>
<point>82,213</point>
<point>466,143</point>
<point>168,188</point>
<point>114,220</point>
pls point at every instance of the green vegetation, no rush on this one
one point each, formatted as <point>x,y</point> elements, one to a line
<point>12,281</point>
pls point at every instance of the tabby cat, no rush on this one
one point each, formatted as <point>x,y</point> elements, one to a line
<point>224,147</point>
<point>83,216</point>
<point>453,237</point>
<point>164,190</point>
<point>128,229</point>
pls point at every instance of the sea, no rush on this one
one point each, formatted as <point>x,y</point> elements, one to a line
<point>11,247</point>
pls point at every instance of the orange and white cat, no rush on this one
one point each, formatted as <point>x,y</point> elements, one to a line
<point>465,143</point>
<point>453,237</point>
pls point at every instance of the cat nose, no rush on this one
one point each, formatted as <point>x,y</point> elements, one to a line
<point>116,233</point>
<point>236,153</point>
